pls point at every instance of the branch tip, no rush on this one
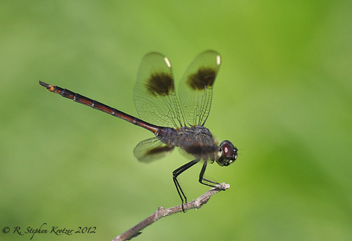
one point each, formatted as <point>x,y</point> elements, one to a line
<point>162,212</point>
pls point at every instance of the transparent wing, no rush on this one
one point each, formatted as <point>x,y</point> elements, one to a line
<point>196,87</point>
<point>154,93</point>
<point>151,149</point>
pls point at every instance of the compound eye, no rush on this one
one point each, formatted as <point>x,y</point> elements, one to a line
<point>227,150</point>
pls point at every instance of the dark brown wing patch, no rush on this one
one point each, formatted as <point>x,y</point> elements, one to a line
<point>161,84</point>
<point>159,150</point>
<point>203,78</point>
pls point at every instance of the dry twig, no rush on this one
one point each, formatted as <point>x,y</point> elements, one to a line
<point>162,212</point>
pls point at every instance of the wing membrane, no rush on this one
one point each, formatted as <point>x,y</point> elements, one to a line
<point>151,149</point>
<point>196,87</point>
<point>154,93</point>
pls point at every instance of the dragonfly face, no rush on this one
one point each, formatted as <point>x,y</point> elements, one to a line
<point>176,122</point>
<point>227,153</point>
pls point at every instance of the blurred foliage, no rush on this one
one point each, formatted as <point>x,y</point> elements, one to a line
<point>283,97</point>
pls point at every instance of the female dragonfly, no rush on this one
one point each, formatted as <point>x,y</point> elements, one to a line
<point>175,123</point>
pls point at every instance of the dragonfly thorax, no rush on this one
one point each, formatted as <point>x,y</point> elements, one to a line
<point>195,140</point>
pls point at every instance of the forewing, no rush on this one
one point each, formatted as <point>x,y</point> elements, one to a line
<point>196,87</point>
<point>154,93</point>
<point>151,149</point>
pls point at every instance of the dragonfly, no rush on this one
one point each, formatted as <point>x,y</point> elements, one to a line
<point>176,121</point>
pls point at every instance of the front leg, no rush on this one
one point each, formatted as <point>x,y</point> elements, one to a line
<point>202,179</point>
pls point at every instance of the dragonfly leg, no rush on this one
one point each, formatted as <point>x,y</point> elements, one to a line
<point>202,180</point>
<point>175,174</point>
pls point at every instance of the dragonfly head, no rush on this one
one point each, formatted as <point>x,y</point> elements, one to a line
<point>227,153</point>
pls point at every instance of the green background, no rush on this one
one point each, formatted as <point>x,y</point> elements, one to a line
<point>283,96</point>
